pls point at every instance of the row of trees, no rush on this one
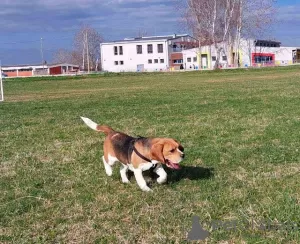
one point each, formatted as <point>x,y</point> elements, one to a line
<point>215,22</point>
<point>85,51</point>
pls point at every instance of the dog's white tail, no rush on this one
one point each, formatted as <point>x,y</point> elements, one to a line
<point>96,127</point>
<point>90,123</point>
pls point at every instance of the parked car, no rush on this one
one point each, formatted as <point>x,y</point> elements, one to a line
<point>4,75</point>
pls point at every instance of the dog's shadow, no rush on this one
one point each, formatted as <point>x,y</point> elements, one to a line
<point>190,173</point>
<point>186,172</point>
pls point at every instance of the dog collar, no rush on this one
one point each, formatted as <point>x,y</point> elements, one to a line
<point>139,154</point>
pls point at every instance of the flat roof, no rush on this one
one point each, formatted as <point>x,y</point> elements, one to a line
<point>150,38</point>
<point>61,64</point>
<point>29,66</point>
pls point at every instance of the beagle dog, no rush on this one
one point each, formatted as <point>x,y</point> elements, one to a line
<point>138,154</point>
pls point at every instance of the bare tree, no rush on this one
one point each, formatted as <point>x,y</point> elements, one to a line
<point>210,21</point>
<point>254,19</point>
<point>141,33</point>
<point>224,22</point>
<point>67,56</point>
<point>87,42</point>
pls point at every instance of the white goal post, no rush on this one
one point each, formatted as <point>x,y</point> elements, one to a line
<point>1,85</point>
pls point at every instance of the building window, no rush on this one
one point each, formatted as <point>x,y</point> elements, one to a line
<point>194,59</point>
<point>263,59</point>
<point>156,61</point>
<point>121,62</point>
<point>149,61</point>
<point>120,50</point>
<point>150,48</point>
<point>189,60</point>
<point>139,49</point>
<point>162,60</point>
<point>160,48</point>
<point>116,50</point>
<point>224,58</point>
<point>177,61</point>
<point>116,62</point>
<point>213,58</point>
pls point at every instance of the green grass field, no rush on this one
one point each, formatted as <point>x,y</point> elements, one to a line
<point>240,130</point>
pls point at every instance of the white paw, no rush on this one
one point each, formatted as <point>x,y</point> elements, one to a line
<point>108,172</point>
<point>161,180</point>
<point>146,188</point>
<point>126,181</point>
<point>108,169</point>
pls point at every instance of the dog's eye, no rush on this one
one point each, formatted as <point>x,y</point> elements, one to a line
<point>173,150</point>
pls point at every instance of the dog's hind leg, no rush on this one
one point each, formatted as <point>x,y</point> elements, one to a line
<point>123,171</point>
<point>108,165</point>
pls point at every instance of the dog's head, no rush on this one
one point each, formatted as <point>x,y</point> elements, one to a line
<point>168,151</point>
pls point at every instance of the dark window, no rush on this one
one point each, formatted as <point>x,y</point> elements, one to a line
<point>150,48</point>
<point>28,69</point>
<point>120,50</point>
<point>224,58</point>
<point>139,49</point>
<point>116,62</point>
<point>149,61</point>
<point>121,62</point>
<point>162,60</point>
<point>156,61</point>
<point>263,59</point>
<point>177,61</point>
<point>116,50</point>
<point>160,48</point>
<point>213,58</point>
<point>195,59</point>
<point>189,60</point>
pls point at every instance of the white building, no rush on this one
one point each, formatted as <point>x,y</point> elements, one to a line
<point>251,52</point>
<point>154,53</point>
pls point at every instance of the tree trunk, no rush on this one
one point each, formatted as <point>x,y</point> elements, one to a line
<point>200,55</point>
<point>217,63</point>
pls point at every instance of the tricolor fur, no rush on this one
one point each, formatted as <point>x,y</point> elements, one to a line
<point>118,147</point>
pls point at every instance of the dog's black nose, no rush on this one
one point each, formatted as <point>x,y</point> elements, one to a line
<point>183,155</point>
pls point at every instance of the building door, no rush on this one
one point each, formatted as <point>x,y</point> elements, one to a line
<point>140,68</point>
<point>204,61</point>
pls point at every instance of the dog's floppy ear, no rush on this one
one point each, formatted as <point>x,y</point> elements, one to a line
<point>157,152</point>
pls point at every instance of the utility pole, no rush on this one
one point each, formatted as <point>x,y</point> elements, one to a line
<point>1,84</point>
<point>87,51</point>
<point>42,53</point>
<point>83,64</point>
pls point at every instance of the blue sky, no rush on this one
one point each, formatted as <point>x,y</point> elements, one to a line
<point>23,23</point>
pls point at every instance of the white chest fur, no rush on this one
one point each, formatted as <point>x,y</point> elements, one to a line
<point>146,166</point>
<point>143,166</point>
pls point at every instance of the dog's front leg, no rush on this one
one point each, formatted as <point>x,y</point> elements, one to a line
<point>159,170</point>
<point>123,172</point>
<point>140,180</point>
